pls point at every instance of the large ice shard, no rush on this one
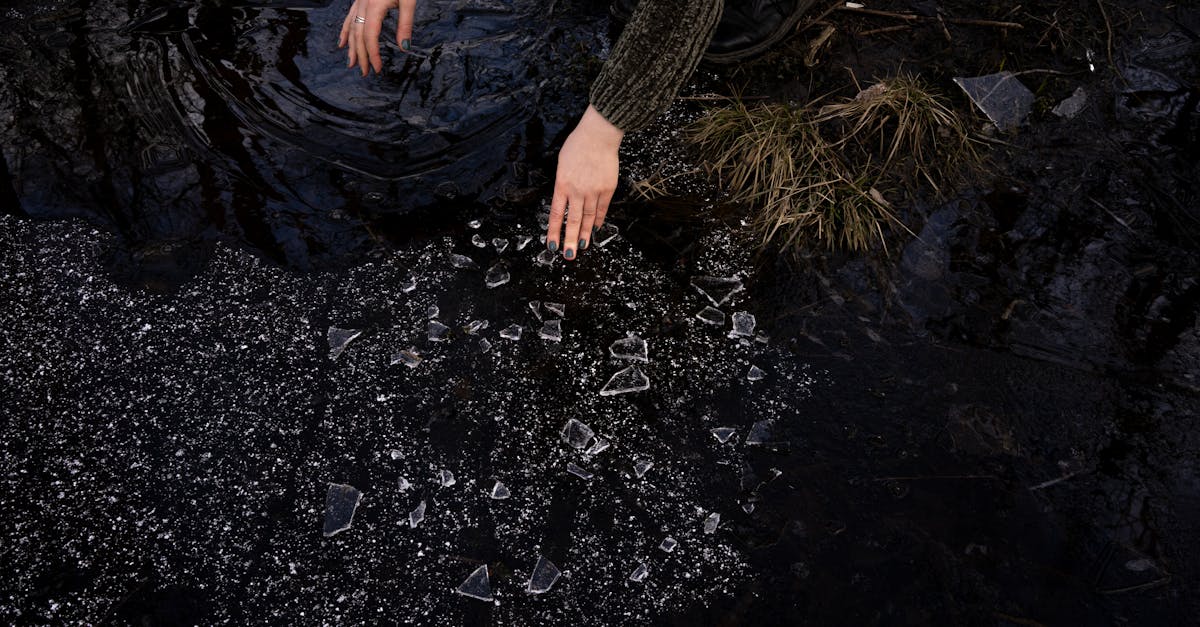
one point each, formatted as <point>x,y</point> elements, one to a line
<point>417,516</point>
<point>668,544</point>
<point>639,574</point>
<point>743,324</point>
<point>718,290</point>
<point>630,379</point>
<point>475,326</point>
<point>410,357</point>
<point>605,234</point>
<point>711,315</point>
<point>711,523</point>
<point>340,503</point>
<point>631,347</point>
<point>500,491</point>
<point>576,434</point>
<point>462,262</point>
<point>579,471</point>
<point>546,258</point>
<point>511,332</point>
<point>478,241</point>
<point>436,331</point>
<point>551,330</point>
<point>339,338</point>
<point>722,434</point>
<point>545,573</point>
<point>755,373</point>
<point>557,309</point>
<point>477,585</point>
<point>500,244</point>
<point>496,276</point>
<point>641,467</point>
<point>446,478</point>
<point>1000,96</point>
<point>760,433</point>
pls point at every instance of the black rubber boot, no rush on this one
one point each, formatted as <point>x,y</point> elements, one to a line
<point>747,28</point>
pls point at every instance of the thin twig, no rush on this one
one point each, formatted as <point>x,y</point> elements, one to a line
<point>885,29</point>
<point>1045,484</point>
<point>910,17</point>
<point>1108,27</point>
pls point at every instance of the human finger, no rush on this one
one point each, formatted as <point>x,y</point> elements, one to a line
<point>601,212</point>
<point>360,42</point>
<point>558,207</point>
<point>371,32</point>
<point>404,24</point>
<point>575,205</point>
<point>345,34</point>
<point>588,221</point>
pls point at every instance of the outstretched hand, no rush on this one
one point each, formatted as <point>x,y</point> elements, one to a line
<point>584,184</point>
<point>362,26</point>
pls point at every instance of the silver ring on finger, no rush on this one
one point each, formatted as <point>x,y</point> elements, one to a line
<point>358,19</point>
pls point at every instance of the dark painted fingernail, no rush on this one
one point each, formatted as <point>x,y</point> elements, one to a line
<point>582,244</point>
<point>569,254</point>
<point>404,45</point>
<point>552,245</point>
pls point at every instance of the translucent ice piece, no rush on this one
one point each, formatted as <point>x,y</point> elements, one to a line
<point>605,234</point>
<point>404,484</point>
<point>1071,107</point>
<point>437,331</point>
<point>598,446</point>
<point>546,258</point>
<point>641,467</point>
<point>395,454</point>
<point>743,324</point>
<point>500,491</point>
<point>760,433</point>
<point>1000,96</point>
<point>578,472</point>
<point>710,523</point>
<point>639,574</point>
<point>496,276</point>
<point>478,241</point>
<point>475,326</point>
<point>712,315</point>
<point>484,345</point>
<point>339,338</point>
<point>512,332</point>
<point>523,241</point>
<point>630,379</point>
<point>551,330</point>
<point>755,374</point>
<point>722,434</point>
<point>576,434</point>
<point>716,289</point>
<point>432,312</point>
<point>536,307</point>
<point>475,224</point>
<point>462,262</point>
<point>410,357</point>
<point>500,244</point>
<point>477,585</point>
<point>545,573</point>
<point>417,516</point>
<point>340,502</point>
<point>668,544</point>
<point>446,478</point>
<point>408,285</point>
<point>748,508</point>
<point>631,347</point>
<point>557,309</point>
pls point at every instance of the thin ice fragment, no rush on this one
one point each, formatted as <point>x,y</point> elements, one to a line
<point>760,433</point>
<point>340,502</point>
<point>641,467</point>
<point>743,324</point>
<point>639,574</point>
<point>557,309</point>
<point>755,374</point>
<point>475,224</point>
<point>748,507</point>
<point>478,241</point>
<point>578,472</point>
<point>497,275</point>
<point>722,434</point>
<point>500,244</point>
<point>545,573</point>
<point>605,234</point>
<point>409,285</point>
<point>630,379</point>
<point>446,478</point>
<point>761,339</point>
<point>1000,96</point>
<point>546,258</point>
<point>717,289</point>
<point>484,345</point>
<point>576,434</point>
<point>410,357</point>
<point>403,484</point>
<point>551,330</point>
<point>512,332</point>
<point>437,331</point>
<point>462,262</point>
<point>477,585</point>
<point>475,326</point>
<point>631,347</point>
<point>598,446</point>
<point>395,454</point>
<point>432,312</point>
<point>712,315</point>
<point>536,307</point>
<point>417,516</point>
<point>339,338</point>
<point>523,241</point>
<point>500,491</point>
<point>668,544</point>
<point>710,523</point>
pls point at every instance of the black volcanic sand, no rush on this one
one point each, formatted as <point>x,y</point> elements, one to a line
<point>995,423</point>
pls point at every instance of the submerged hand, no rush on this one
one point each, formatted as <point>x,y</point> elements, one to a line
<point>362,27</point>
<point>584,184</point>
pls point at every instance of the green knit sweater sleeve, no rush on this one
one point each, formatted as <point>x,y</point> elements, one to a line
<point>657,52</point>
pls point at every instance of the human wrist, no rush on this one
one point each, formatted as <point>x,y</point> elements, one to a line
<point>596,125</point>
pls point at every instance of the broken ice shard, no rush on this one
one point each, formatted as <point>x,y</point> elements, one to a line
<point>668,544</point>
<point>630,379</point>
<point>755,374</point>
<point>631,347</point>
<point>717,289</point>
<point>432,312</point>
<point>484,345</point>
<point>712,315</point>
<point>339,338</point>
<point>1071,107</point>
<point>557,309</point>
<point>408,285</point>
<point>578,471</point>
<point>462,262</point>
<point>576,434</point>
<point>551,330</point>
<point>536,307</point>
<point>410,357</point>
<point>597,446</point>
<point>500,244</point>
<point>523,241</point>
<point>639,574</point>
<point>475,326</point>
<point>446,478</point>
<point>748,508</point>
<point>436,331</point>
<point>722,434</point>
<point>478,241</point>
<point>417,516</point>
<point>641,466</point>
<point>395,454</point>
<point>604,235</point>
<point>403,484</point>
<point>546,258</point>
<point>496,276</point>
<point>340,502</point>
<point>545,573</point>
<point>477,585</point>
<point>760,433</point>
<point>710,523</point>
<point>1001,97</point>
<point>500,491</point>
<point>512,332</point>
<point>475,224</point>
<point>743,324</point>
